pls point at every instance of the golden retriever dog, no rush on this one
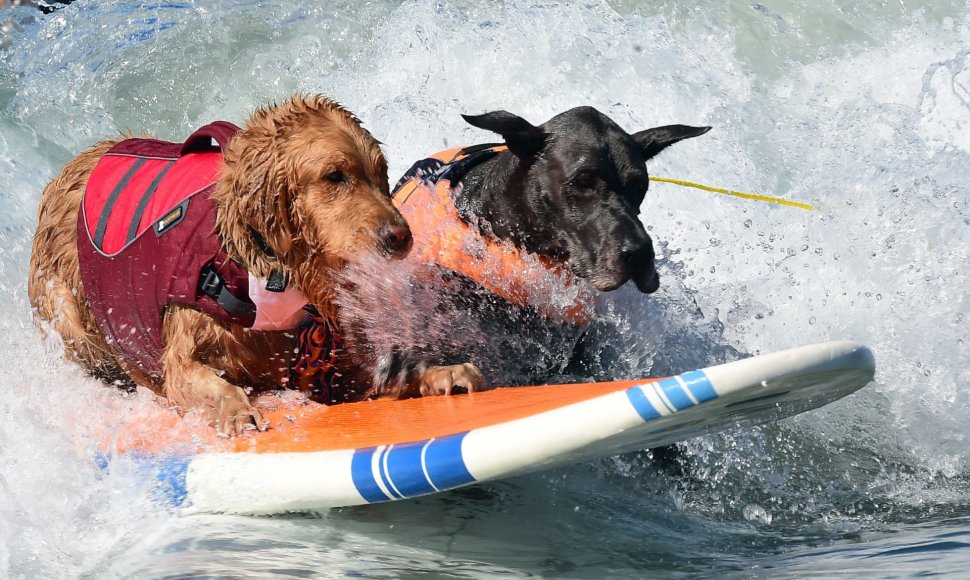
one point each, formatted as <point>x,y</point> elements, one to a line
<point>281,205</point>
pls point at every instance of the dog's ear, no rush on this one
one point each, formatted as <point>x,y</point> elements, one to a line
<point>523,138</point>
<point>653,141</point>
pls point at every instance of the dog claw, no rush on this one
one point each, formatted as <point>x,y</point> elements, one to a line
<point>237,417</point>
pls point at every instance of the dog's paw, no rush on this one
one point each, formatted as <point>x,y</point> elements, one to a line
<point>232,414</point>
<point>444,380</point>
<point>394,371</point>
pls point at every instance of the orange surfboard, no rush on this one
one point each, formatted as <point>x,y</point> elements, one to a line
<point>314,456</point>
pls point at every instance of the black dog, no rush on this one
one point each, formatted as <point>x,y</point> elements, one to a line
<point>568,190</point>
<point>571,189</point>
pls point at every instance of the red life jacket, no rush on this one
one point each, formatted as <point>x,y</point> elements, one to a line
<point>147,238</point>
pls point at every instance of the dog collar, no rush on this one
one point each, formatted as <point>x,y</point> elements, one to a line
<point>278,279</point>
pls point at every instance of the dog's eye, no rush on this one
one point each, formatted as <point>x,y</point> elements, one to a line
<point>335,176</point>
<point>584,180</point>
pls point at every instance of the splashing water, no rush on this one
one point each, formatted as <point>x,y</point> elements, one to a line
<point>860,111</point>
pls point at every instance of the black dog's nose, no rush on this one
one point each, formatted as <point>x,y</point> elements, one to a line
<point>639,262</point>
<point>396,239</point>
<point>636,256</point>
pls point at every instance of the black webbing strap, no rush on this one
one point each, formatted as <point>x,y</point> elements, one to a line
<point>474,156</point>
<point>211,284</point>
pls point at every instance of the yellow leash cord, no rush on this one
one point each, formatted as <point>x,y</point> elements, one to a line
<point>741,194</point>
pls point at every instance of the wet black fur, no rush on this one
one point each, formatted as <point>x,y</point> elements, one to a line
<point>571,189</point>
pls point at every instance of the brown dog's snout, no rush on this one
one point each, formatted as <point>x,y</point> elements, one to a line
<point>395,239</point>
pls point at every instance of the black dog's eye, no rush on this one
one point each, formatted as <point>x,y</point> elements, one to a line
<point>335,176</point>
<point>584,180</point>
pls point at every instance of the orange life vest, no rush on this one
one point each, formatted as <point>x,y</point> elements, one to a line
<point>425,196</point>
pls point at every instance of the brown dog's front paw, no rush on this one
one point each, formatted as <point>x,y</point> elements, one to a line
<point>443,380</point>
<point>232,413</point>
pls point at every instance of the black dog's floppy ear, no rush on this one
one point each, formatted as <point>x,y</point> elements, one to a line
<point>653,141</point>
<point>523,138</point>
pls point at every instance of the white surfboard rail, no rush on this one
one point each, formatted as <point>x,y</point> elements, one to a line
<point>749,391</point>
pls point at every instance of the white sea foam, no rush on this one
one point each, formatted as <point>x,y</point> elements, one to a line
<point>861,114</point>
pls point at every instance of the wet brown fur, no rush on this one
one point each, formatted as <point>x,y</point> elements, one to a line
<point>305,175</point>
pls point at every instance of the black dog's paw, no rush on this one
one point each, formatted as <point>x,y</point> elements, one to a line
<point>395,374</point>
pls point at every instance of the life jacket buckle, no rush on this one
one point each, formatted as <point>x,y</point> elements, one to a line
<point>211,284</point>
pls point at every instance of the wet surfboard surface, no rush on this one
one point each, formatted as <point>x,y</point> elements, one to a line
<point>316,457</point>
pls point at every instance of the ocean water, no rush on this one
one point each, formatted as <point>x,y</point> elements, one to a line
<point>861,108</point>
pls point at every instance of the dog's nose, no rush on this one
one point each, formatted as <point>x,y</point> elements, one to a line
<point>636,256</point>
<point>638,260</point>
<point>396,239</point>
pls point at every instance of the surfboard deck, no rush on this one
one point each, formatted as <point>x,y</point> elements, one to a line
<point>316,457</point>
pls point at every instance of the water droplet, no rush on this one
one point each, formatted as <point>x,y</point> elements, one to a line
<point>757,514</point>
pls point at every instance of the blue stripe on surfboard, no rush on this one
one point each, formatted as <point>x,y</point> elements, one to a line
<point>167,471</point>
<point>363,476</point>
<point>675,394</point>
<point>700,386</point>
<point>382,468</point>
<point>405,470</point>
<point>642,405</point>
<point>446,464</point>
<point>171,479</point>
<point>696,381</point>
<point>403,473</point>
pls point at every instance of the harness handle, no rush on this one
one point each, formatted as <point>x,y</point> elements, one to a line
<point>201,140</point>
